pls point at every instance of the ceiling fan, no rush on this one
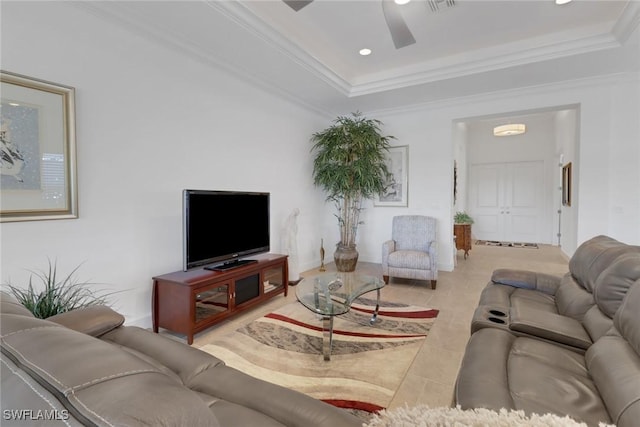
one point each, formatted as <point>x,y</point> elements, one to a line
<point>400,33</point>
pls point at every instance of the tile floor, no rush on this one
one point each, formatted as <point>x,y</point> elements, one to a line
<point>431,377</point>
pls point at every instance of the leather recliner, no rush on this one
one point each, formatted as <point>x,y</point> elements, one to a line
<point>84,368</point>
<point>574,310</point>
<point>503,370</point>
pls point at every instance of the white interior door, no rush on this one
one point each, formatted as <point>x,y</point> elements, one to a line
<point>507,201</point>
<point>486,191</point>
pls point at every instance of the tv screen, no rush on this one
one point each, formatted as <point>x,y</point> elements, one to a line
<point>223,226</point>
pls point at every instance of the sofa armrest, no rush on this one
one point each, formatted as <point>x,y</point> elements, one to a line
<point>527,280</point>
<point>387,247</point>
<point>94,320</point>
<point>98,383</point>
<point>549,326</point>
<point>433,256</point>
<point>483,379</point>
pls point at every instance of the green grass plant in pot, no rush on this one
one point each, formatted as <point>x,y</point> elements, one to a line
<point>350,166</point>
<point>55,294</point>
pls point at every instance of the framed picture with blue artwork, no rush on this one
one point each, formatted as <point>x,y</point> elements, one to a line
<point>37,137</point>
<point>397,187</point>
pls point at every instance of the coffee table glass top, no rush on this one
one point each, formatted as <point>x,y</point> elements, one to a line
<point>331,294</point>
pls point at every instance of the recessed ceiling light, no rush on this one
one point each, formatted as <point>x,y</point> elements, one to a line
<point>510,129</point>
<point>561,2</point>
<point>365,52</point>
<point>402,1</point>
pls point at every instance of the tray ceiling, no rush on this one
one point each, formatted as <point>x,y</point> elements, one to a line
<point>473,47</point>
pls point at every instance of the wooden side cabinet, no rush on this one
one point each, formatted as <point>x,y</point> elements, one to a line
<point>463,237</point>
<point>188,302</point>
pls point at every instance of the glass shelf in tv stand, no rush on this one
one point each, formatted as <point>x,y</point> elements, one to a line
<point>211,302</point>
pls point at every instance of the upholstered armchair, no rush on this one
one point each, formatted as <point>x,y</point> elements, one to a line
<point>412,251</point>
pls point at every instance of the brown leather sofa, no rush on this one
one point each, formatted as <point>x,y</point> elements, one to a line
<point>569,351</point>
<point>85,368</point>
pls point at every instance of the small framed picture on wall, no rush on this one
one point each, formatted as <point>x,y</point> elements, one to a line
<point>396,191</point>
<point>566,185</point>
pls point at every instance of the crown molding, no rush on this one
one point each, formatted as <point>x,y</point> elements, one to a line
<point>587,82</point>
<point>114,13</point>
<point>628,22</point>
<point>243,16</point>
<point>485,60</point>
<point>482,60</point>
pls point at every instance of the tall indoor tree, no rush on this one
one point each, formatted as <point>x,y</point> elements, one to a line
<point>350,165</point>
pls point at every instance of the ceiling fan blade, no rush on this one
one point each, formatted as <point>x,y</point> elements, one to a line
<point>297,4</point>
<point>400,33</point>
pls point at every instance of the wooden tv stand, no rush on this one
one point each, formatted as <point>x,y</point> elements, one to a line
<point>188,302</point>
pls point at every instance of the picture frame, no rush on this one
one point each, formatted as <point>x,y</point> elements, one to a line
<point>455,182</point>
<point>397,161</point>
<point>37,136</point>
<point>566,185</point>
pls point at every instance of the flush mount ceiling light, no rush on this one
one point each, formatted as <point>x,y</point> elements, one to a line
<point>561,2</point>
<point>365,52</point>
<point>510,129</point>
<point>401,2</point>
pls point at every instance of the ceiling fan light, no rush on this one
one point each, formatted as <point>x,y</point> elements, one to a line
<point>509,129</point>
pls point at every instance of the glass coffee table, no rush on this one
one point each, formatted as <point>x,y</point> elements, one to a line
<point>332,294</point>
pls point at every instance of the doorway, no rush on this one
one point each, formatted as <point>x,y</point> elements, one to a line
<point>507,201</point>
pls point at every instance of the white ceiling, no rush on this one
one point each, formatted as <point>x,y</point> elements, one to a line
<point>476,46</point>
<point>469,32</point>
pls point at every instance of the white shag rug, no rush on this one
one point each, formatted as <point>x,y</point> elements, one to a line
<point>423,416</point>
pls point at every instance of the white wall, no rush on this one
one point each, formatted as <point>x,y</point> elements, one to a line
<point>566,126</point>
<point>150,122</point>
<point>460,137</point>
<point>624,183</point>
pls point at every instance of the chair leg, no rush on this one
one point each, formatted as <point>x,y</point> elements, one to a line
<point>433,284</point>
<point>386,279</point>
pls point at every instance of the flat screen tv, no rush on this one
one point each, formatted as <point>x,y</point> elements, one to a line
<point>220,228</point>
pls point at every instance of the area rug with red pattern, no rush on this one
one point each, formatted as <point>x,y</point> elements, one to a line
<point>368,363</point>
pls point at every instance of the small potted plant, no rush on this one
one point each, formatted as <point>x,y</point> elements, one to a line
<point>462,231</point>
<point>462,218</point>
<point>350,165</point>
